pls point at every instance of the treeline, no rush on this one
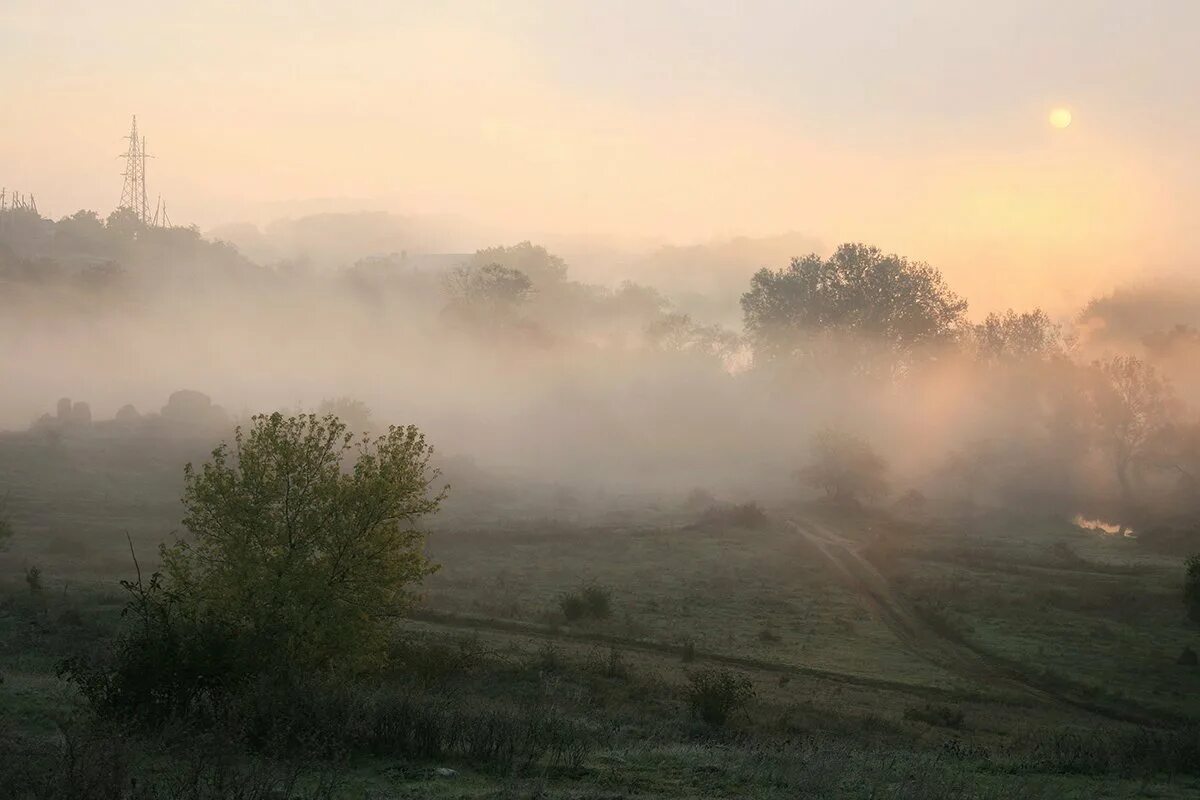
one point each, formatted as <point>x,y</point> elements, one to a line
<point>1092,415</point>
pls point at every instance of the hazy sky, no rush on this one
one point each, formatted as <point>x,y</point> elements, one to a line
<point>920,125</point>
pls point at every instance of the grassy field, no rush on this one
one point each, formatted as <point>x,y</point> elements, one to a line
<point>977,656</point>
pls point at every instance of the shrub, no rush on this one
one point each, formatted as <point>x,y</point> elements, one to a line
<point>1191,588</point>
<point>1129,752</point>
<point>165,664</point>
<point>715,694</point>
<point>33,577</point>
<point>325,718</point>
<point>549,659</point>
<point>299,560</point>
<point>99,763</point>
<point>6,528</point>
<point>1187,658</point>
<point>611,665</point>
<point>846,467</point>
<point>434,660</point>
<point>590,602</point>
<point>573,606</point>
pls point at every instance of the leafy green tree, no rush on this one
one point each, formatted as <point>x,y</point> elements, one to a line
<point>858,301</point>
<point>1191,589</point>
<point>845,467</point>
<point>303,541</point>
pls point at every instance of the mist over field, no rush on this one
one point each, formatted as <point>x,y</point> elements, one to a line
<point>553,400</point>
<point>646,383</point>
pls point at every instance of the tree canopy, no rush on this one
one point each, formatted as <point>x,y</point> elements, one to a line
<point>845,467</point>
<point>303,539</point>
<point>857,297</point>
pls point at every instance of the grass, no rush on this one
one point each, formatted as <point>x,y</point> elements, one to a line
<point>491,681</point>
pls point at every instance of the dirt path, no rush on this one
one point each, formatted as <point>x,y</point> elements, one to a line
<point>534,630</point>
<point>927,643</point>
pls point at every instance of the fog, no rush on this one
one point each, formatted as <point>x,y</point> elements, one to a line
<point>648,385</point>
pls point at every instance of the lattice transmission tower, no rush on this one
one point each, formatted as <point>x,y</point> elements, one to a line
<point>133,195</point>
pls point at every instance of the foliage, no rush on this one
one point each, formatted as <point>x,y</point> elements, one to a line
<point>297,561</point>
<point>1131,402</point>
<point>491,289</point>
<point>1191,588</point>
<point>353,412</point>
<point>541,268</point>
<point>167,662</point>
<point>6,528</point>
<point>845,467</point>
<point>1017,336</point>
<point>590,602</point>
<point>295,547</point>
<point>674,332</point>
<point>400,722</point>
<point>715,694</point>
<point>850,304</point>
<point>33,578</point>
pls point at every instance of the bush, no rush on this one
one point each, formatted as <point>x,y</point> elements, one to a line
<point>1128,752</point>
<point>1187,658</point>
<point>299,559</point>
<point>165,664</point>
<point>845,467</point>
<point>431,661</point>
<point>99,763</point>
<point>326,718</point>
<point>33,577</point>
<point>590,602</point>
<point>6,528</point>
<point>1191,588</point>
<point>715,694</point>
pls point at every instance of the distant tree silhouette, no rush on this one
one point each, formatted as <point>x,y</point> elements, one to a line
<point>845,467</point>
<point>1017,336</point>
<point>1131,402</point>
<point>856,307</point>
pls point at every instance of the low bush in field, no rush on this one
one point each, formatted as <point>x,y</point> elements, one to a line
<point>1128,752</point>
<point>590,602</point>
<point>101,762</point>
<point>430,660</point>
<point>715,694</point>
<point>397,722</point>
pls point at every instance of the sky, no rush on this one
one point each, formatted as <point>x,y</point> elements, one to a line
<point>919,126</point>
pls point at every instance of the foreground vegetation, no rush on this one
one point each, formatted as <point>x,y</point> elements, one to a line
<point>813,650</point>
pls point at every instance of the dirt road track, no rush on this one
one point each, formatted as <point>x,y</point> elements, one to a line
<point>924,641</point>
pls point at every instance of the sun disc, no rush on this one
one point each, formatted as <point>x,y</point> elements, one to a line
<point>1060,117</point>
